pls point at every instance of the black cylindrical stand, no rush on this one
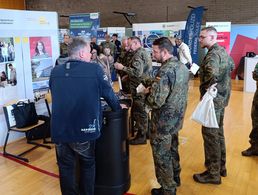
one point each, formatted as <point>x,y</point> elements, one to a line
<point>112,155</point>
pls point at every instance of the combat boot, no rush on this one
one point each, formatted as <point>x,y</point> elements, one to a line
<point>177,180</point>
<point>157,191</point>
<point>138,140</point>
<point>223,170</point>
<point>161,191</point>
<point>206,177</point>
<point>250,152</point>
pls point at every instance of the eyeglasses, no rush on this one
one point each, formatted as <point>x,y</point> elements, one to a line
<point>202,37</point>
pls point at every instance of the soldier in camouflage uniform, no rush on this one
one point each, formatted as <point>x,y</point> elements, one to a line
<point>108,44</point>
<point>215,68</point>
<point>253,150</point>
<point>139,70</point>
<point>64,46</point>
<point>125,58</point>
<point>168,99</point>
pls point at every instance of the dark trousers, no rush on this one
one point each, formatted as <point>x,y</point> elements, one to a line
<point>254,114</point>
<point>139,115</point>
<point>68,155</point>
<point>214,145</point>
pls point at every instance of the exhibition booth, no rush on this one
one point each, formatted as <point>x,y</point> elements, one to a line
<point>33,39</point>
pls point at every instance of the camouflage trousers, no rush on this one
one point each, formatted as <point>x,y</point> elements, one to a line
<point>166,158</point>
<point>139,115</point>
<point>214,145</point>
<point>254,115</point>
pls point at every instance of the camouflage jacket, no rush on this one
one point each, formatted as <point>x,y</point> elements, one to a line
<point>64,49</point>
<point>168,97</point>
<point>216,68</point>
<point>140,68</point>
<point>125,58</point>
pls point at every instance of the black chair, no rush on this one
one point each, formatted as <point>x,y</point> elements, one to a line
<point>48,100</point>
<point>11,127</point>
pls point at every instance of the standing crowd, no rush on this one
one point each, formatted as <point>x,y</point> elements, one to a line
<point>90,67</point>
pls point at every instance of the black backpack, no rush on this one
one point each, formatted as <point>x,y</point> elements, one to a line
<point>40,132</point>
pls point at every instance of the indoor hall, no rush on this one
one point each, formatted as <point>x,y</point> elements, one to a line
<point>237,32</point>
<point>40,177</point>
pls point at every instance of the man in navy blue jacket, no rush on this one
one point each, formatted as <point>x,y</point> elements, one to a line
<point>76,89</point>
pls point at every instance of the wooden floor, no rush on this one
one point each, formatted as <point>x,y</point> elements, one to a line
<point>242,179</point>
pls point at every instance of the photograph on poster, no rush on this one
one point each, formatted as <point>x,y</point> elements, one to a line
<point>40,86</point>
<point>41,61</point>
<point>8,74</point>
<point>7,53</point>
<point>41,69</point>
<point>40,47</point>
<point>8,83</point>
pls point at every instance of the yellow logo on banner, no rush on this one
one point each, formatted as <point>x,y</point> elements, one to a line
<point>43,20</point>
<point>25,39</point>
<point>17,40</point>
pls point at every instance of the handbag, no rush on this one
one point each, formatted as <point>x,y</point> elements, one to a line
<point>25,114</point>
<point>204,113</point>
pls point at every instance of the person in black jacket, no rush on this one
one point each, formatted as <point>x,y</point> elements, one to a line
<point>76,89</point>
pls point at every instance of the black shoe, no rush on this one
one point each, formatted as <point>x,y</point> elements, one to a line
<point>250,152</point>
<point>223,172</point>
<point>161,191</point>
<point>178,181</point>
<point>206,177</point>
<point>157,191</point>
<point>138,140</point>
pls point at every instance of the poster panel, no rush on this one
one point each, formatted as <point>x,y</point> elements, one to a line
<point>41,62</point>
<point>18,54</point>
<point>84,25</point>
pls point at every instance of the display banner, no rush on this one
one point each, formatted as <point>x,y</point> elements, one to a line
<point>192,31</point>
<point>223,29</point>
<point>101,33</point>
<point>84,25</point>
<point>148,32</point>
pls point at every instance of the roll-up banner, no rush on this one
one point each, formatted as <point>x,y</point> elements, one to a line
<point>192,31</point>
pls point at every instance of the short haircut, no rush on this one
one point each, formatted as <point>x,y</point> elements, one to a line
<point>164,43</point>
<point>76,45</point>
<point>10,65</point>
<point>115,35</point>
<point>136,38</point>
<point>124,38</point>
<point>210,29</point>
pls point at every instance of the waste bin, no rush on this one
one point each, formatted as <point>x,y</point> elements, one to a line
<point>112,155</point>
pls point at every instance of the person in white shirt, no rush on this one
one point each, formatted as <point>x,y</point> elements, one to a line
<point>184,53</point>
